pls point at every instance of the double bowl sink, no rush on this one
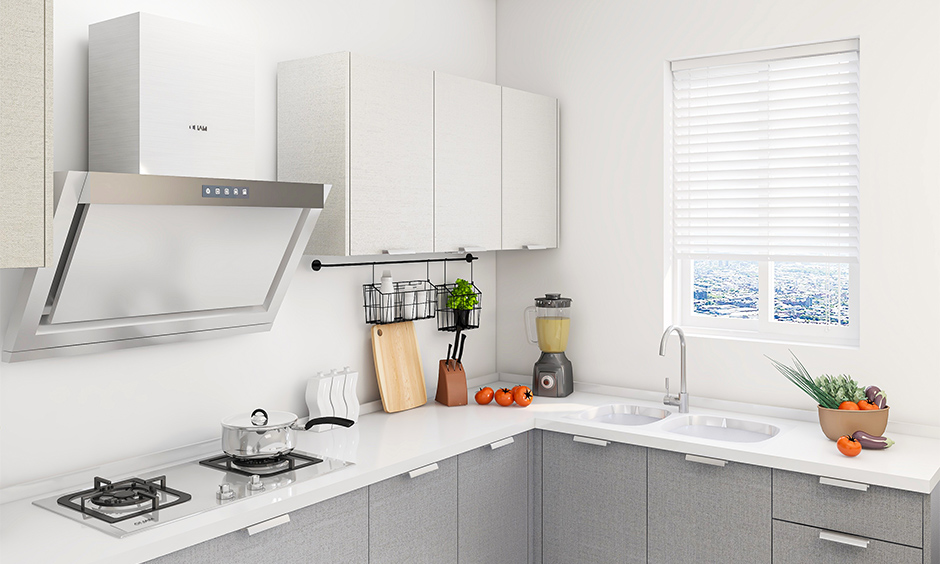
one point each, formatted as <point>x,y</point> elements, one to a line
<point>702,426</point>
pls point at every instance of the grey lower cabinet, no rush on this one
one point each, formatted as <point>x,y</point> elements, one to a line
<point>493,503</point>
<point>593,500</point>
<point>413,516</point>
<point>707,510</point>
<point>335,531</point>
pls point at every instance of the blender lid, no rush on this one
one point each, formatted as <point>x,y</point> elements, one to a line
<point>553,300</point>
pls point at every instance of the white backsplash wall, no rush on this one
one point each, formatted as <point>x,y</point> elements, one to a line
<point>604,60</point>
<point>60,415</point>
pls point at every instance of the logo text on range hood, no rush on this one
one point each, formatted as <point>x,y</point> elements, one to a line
<point>148,259</point>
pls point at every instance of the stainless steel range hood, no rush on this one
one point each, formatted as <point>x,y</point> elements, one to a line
<point>152,259</point>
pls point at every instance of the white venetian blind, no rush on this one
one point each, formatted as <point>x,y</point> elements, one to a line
<point>765,155</point>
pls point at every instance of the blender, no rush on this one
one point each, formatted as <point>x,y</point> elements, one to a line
<point>550,319</point>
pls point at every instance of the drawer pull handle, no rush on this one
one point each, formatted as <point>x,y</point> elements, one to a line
<point>471,249</point>
<point>502,443</point>
<point>423,470</point>
<point>269,524</point>
<point>398,251</point>
<point>534,247</point>
<point>590,441</point>
<point>843,539</point>
<point>703,460</point>
<point>843,484</point>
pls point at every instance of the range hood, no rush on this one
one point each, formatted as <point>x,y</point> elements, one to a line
<point>141,259</point>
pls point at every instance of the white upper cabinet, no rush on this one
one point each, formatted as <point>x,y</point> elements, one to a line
<point>530,170</point>
<point>467,159</point>
<point>26,133</point>
<point>365,126</point>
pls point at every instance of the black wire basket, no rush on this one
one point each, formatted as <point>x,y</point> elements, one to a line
<point>411,300</point>
<point>450,319</point>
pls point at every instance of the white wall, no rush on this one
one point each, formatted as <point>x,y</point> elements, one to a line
<point>60,415</point>
<point>604,60</point>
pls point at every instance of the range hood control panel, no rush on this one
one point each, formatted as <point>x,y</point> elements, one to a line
<point>224,191</point>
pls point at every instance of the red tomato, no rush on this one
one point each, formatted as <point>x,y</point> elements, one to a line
<point>849,446</point>
<point>504,397</point>
<point>866,405</point>
<point>484,396</point>
<point>848,405</point>
<point>522,395</point>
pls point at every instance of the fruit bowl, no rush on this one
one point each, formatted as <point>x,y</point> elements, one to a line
<point>838,422</point>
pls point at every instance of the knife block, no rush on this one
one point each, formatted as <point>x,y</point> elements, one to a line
<point>451,384</point>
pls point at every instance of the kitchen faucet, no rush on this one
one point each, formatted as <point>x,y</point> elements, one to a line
<point>682,400</point>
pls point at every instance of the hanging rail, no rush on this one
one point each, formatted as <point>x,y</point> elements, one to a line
<point>316,265</point>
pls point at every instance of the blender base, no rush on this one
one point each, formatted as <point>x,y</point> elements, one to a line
<point>552,376</point>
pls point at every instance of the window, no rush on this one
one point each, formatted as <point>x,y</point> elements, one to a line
<point>763,193</point>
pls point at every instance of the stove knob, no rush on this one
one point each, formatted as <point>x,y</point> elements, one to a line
<point>255,484</point>
<point>225,492</point>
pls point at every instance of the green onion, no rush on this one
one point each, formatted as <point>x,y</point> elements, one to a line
<point>800,376</point>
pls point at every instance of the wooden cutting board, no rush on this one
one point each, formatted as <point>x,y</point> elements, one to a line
<point>398,366</point>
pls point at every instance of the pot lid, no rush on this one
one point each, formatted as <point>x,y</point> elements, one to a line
<point>553,300</point>
<point>260,419</point>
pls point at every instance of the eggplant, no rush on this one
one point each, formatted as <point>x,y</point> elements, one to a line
<point>872,441</point>
<point>876,396</point>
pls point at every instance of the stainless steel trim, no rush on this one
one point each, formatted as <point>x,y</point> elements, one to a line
<point>704,460</point>
<point>590,441</point>
<point>502,443</point>
<point>844,539</point>
<point>423,470</point>
<point>269,524</point>
<point>843,484</point>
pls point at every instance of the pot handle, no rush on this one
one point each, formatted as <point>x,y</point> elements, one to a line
<point>259,417</point>
<point>329,421</point>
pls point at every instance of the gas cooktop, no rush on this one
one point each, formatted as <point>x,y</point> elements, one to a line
<point>120,508</point>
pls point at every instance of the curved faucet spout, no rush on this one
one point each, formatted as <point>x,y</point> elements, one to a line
<point>682,400</point>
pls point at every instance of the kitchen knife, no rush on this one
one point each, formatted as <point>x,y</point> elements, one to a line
<point>447,358</point>
<point>463,339</point>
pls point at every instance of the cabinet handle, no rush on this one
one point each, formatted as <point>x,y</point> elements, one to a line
<point>534,247</point>
<point>471,249</point>
<point>843,484</point>
<point>423,470</point>
<point>502,443</point>
<point>843,539</point>
<point>590,441</point>
<point>398,251</point>
<point>703,460</point>
<point>269,524</point>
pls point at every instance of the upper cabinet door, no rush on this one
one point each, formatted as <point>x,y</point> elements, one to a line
<point>467,157</point>
<point>391,157</point>
<point>530,170</point>
<point>26,133</point>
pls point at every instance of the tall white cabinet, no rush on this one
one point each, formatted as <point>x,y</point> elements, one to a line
<point>467,164</point>
<point>367,127</point>
<point>25,133</point>
<point>530,170</point>
<point>419,161</point>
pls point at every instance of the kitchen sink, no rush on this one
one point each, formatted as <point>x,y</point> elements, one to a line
<point>623,414</point>
<point>722,428</point>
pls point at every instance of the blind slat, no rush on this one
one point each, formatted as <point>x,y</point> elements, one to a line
<point>765,159</point>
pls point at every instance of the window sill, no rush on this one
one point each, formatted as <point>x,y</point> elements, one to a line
<point>775,339</point>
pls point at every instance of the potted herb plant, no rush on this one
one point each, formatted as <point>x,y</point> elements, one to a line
<point>462,300</point>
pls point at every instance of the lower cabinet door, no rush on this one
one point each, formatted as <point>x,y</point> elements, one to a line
<point>706,510</point>
<point>593,501</point>
<point>332,531</point>
<point>413,516</point>
<point>492,503</point>
<point>798,544</point>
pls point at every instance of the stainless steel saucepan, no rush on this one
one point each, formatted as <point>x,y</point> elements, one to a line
<point>261,434</point>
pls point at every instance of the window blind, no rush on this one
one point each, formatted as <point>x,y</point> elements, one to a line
<point>765,158</point>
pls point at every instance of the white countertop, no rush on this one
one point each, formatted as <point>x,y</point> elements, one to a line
<point>390,444</point>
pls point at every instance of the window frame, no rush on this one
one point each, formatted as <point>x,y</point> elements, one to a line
<point>678,285</point>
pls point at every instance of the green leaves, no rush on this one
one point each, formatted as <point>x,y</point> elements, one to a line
<point>462,296</point>
<point>842,388</point>
<point>800,376</point>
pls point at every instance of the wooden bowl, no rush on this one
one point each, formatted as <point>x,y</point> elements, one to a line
<point>838,422</point>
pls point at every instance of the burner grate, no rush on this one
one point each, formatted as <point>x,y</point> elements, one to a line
<point>127,494</point>
<point>264,467</point>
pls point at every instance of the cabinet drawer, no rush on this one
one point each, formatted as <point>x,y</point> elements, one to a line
<point>889,515</point>
<point>798,544</point>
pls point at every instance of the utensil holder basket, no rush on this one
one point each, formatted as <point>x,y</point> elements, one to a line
<point>448,319</point>
<point>411,300</point>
